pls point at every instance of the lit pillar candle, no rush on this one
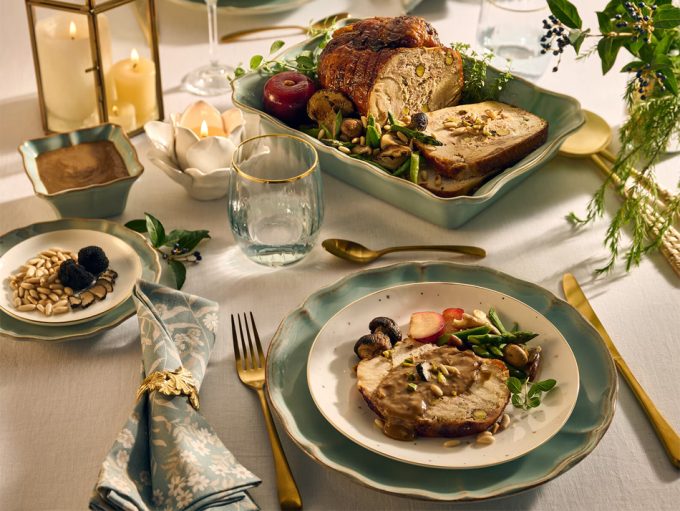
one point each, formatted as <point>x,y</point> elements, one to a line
<point>64,52</point>
<point>135,83</point>
<point>123,114</point>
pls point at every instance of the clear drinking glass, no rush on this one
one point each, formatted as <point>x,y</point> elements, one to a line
<point>275,198</point>
<point>512,29</point>
<point>210,80</point>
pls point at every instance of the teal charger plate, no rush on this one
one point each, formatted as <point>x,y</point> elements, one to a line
<point>293,404</point>
<point>562,112</point>
<point>151,271</point>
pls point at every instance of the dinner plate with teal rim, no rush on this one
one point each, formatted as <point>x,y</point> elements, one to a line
<point>151,271</point>
<point>248,7</point>
<point>293,404</point>
<point>563,114</point>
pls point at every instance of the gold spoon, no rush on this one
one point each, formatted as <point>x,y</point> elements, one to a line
<point>591,141</point>
<point>353,251</point>
<point>317,25</point>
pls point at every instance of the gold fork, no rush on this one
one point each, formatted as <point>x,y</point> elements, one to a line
<point>250,370</point>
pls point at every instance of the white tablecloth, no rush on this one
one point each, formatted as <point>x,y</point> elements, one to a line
<point>61,405</point>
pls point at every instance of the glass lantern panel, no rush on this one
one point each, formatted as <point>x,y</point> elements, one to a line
<point>66,67</point>
<point>131,94</point>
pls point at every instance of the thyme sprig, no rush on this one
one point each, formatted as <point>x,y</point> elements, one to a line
<point>478,84</point>
<point>651,35</point>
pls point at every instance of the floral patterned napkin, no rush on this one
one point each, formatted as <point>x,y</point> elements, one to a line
<point>167,457</point>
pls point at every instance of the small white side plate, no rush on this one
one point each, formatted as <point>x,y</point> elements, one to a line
<point>122,258</point>
<point>332,379</point>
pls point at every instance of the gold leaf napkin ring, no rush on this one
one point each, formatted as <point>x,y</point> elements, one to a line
<point>179,382</point>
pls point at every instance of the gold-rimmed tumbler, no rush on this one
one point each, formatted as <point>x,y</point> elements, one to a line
<point>275,198</point>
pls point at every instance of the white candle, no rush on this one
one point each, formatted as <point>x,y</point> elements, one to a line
<point>123,114</point>
<point>135,83</point>
<point>64,53</point>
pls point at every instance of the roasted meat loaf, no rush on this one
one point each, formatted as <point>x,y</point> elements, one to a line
<point>478,141</point>
<point>472,398</point>
<point>392,65</point>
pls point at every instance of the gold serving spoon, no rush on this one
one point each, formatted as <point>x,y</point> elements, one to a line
<point>591,141</point>
<point>317,25</point>
<point>353,251</point>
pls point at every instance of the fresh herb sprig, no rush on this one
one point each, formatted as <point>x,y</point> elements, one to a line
<point>176,247</point>
<point>306,62</point>
<point>650,33</point>
<point>526,396</point>
<point>478,85</point>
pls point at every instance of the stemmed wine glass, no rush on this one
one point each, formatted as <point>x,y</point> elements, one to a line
<point>212,79</point>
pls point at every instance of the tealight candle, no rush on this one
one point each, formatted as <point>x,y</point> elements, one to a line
<point>123,114</point>
<point>209,131</point>
<point>65,55</point>
<point>135,82</point>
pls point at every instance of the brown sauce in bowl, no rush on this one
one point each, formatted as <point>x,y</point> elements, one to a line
<point>81,165</point>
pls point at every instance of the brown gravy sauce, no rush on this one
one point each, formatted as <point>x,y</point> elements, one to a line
<point>402,407</point>
<point>80,165</point>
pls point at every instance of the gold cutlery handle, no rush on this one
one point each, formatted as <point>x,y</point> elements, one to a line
<point>670,242</point>
<point>669,438</point>
<point>459,249</point>
<point>233,36</point>
<point>289,495</point>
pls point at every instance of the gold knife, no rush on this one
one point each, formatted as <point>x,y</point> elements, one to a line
<point>669,438</point>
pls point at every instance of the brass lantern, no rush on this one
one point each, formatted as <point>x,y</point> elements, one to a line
<point>96,61</point>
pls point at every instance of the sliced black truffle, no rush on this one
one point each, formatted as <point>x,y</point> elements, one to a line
<point>74,275</point>
<point>93,259</point>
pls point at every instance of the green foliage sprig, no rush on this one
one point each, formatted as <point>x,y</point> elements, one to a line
<point>527,396</point>
<point>478,87</point>
<point>650,33</point>
<point>305,62</point>
<point>176,247</point>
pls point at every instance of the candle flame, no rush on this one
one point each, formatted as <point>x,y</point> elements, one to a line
<point>114,110</point>
<point>204,129</point>
<point>72,30</point>
<point>134,57</point>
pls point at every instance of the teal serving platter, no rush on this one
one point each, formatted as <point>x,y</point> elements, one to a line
<point>151,271</point>
<point>563,114</point>
<point>293,404</point>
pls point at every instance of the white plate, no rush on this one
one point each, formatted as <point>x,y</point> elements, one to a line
<point>332,381</point>
<point>122,258</point>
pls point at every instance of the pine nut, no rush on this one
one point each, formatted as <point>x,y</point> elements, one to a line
<point>378,423</point>
<point>53,297</point>
<point>485,438</point>
<point>59,310</point>
<point>26,285</point>
<point>48,309</point>
<point>26,308</point>
<point>344,149</point>
<point>437,390</point>
<point>451,443</point>
<point>30,271</point>
<point>505,421</point>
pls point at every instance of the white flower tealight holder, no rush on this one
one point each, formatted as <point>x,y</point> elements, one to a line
<point>196,147</point>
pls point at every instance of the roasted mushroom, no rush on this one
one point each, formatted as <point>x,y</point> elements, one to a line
<point>369,345</point>
<point>386,326</point>
<point>351,128</point>
<point>393,156</point>
<point>324,106</point>
<point>515,355</point>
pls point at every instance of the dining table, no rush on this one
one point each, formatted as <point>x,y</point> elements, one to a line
<point>63,403</point>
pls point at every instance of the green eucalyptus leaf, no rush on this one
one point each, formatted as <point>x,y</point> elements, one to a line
<point>514,384</point>
<point>533,390</point>
<point>138,225</point>
<point>517,401</point>
<point>179,271</point>
<point>608,48</point>
<point>534,402</point>
<point>255,61</point>
<point>276,46</point>
<point>666,16</point>
<point>566,12</point>
<point>155,230</point>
